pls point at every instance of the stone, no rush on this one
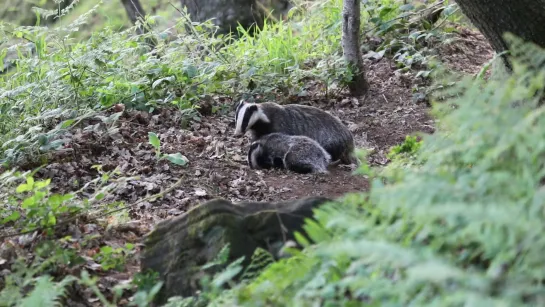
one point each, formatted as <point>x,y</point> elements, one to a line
<point>179,247</point>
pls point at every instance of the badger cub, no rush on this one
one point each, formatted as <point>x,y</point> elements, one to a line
<point>296,153</point>
<point>293,119</point>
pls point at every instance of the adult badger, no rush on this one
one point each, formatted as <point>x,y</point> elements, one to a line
<point>294,119</point>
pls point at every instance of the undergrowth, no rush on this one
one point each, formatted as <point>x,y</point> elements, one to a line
<point>462,229</point>
<point>63,80</point>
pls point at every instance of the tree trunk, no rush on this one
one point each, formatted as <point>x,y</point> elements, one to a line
<point>523,18</point>
<point>135,11</point>
<point>228,14</point>
<point>351,47</point>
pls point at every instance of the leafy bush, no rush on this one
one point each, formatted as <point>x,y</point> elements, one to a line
<point>409,147</point>
<point>465,228</point>
<point>409,32</point>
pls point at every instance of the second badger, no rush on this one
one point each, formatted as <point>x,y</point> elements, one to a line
<point>296,153</point>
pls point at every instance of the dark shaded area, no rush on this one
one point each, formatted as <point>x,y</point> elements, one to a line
<point>523,18</point>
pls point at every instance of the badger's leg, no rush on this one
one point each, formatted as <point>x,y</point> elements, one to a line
<point>335,163</point>
<point>277,162</point>
<point>294,164</point>
<point>348,158</point>
<point>301,168</point>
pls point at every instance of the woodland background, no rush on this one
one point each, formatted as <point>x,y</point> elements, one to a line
<point>112,121</point>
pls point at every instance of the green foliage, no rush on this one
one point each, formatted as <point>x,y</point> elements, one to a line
<point>31,284</point>
<point>408,36</point>
<point>409,147</point>
<point>35,204</point>
<point>176,158</point>
<point>114,258</point>
<point>28,204</point>
<point>156,143</point>
<point>464,228</point>
<point>46,293</point>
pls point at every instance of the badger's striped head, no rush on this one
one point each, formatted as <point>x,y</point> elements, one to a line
<point>247,115</point>
<point>253,155</point>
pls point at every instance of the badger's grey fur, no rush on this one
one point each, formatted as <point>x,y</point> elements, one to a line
<point>294,119</point>
<point>296,153</point>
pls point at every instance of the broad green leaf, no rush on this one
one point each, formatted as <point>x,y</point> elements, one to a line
<point>65,124</point>
<point>28,202</point>
<point>52,220</point>
<point>154,140</point>
<point>14,216</point>
<point>159,81</point>
<point>177,158</point>
<point>42,184</point>
<point>23,187</point>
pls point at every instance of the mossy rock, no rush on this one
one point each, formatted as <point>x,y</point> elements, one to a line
<point>177,248</point>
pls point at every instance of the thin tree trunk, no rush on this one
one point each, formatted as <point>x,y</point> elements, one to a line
<point>351,46</point>
<point>135,11</point>
<point>523,18</point>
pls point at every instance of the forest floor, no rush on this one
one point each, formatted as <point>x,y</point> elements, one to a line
<point>217,159</point>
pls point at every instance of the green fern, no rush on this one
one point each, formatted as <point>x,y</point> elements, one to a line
<point>47,293</point>
<point>461,228</point>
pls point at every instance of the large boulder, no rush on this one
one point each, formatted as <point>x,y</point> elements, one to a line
<point>177,248</point>
<point>227,14</point>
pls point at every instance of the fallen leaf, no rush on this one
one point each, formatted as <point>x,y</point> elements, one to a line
<point>200,192</point>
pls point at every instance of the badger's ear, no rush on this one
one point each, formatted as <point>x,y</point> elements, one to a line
<point>259,116</point>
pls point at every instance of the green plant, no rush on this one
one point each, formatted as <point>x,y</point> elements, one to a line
<point>38,205</point>
<point>30,284</point>
<point>176,158</point>
<point>409,32</point>
<point>114,258</point>
<point>409,147</point>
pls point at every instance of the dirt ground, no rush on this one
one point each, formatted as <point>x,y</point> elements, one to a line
<point>217,159</point>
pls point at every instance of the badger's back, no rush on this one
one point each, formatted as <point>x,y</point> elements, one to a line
<point>312,122</point>
<point>298,153</point>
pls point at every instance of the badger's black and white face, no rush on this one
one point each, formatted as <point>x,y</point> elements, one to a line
<point>247,115</point>
<point>254,154</point>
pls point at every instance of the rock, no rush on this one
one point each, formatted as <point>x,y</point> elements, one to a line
<point>177,248</point>
<point>226,14</point>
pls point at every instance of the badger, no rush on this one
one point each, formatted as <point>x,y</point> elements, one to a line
<point>294,119</point>
<point>296,153</point>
